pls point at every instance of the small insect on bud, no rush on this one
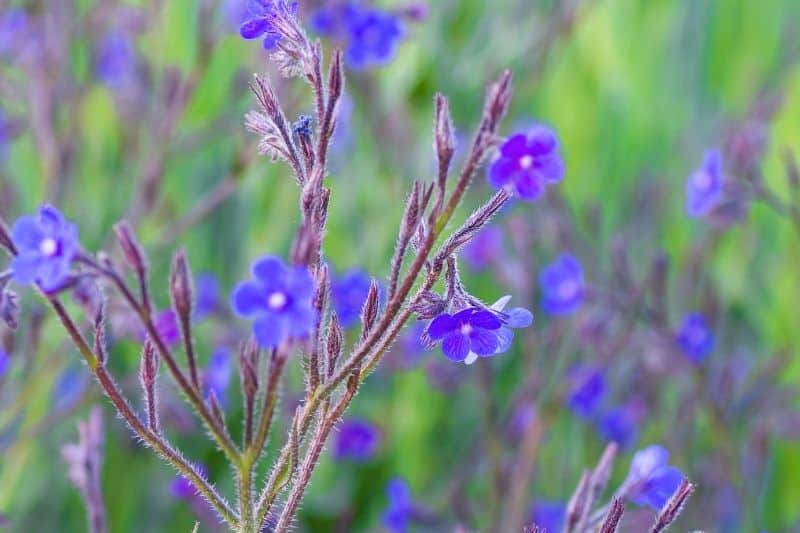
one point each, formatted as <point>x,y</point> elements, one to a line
<point>180,284</point>
<point>130,246</point>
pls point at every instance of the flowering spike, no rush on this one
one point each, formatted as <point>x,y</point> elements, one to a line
<point>180,285</point>
<point>613,516</point>
<point>335,343</point>
<point>669,513</point>
<point>577,502</point>
<point>369,313</point>
<point>131,249</point>
<point>148,373</point>
<point>444,144</point>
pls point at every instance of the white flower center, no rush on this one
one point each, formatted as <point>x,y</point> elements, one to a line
<point>276,300</point>
<point>526,161</point>
<point>466,329</point>
<point>568,289</point>
<point>48,246</point>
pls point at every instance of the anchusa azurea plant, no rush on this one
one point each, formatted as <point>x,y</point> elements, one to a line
<point>291,311</point>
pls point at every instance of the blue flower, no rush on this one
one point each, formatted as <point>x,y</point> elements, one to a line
<point>695,337</point>
<point>217,375</point>
<point>278,299</point>
<point>485,248</point>
<point>183,489</point>
<point>356,440</point>
<point>348,294</point>
<point>527,163</point>
<point>401,508</point>
<point>549,516</point>
<point>651,480</point>
<point>411,346</point>
<point>47,244</point>
<point>115,63</point>
<point>207,291</point>
<point>620,425</point>
<point>5,362</point>
<point>477,332</point>
<point>260,22</point>
<point>373,36</point>
<point>562,286</point>
<point>234,13</point>
<point>704,185</point>
<point>588,389</point>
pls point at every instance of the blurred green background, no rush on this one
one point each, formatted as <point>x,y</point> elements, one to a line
<point>636,89</point>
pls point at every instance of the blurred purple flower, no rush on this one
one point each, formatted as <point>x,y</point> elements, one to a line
<point>528,162</point>
<point>651,481</point>
<point>69,387</point>
<point>401,509</point>
<point>47,244</point>
<point>562,286</point>
<point>9,129</point>
<point>5,362</point>
<point>521,420</point>
<point>695,337</point>
<point>620,425</point>
<point>485,248</point>
<point>587,391</point>
<point>278,300</point>
<point>217,374</point>
<point>183,489</point>
<point>357,440</point>
<point>371,35</point>
<point>166,323</point>
<point>348,294</point>
<point>208,295</point>
<point>115,60</point>
<point>259,24</point>
<point>549,516</point>
<point>13,24</point>
<point>411,346</point>
<point>704,185</point>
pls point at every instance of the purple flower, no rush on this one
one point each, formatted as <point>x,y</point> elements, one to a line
<point>549,516</point>
<point>348,294</point>
<point>5,362</point>
<point>485,248</point>
<point>278,300</point>
<point>166,323</point>
<point>588,389</point>
<point>217,375</point>
<point>260,22</point>
<point>207,299</point>
<point>527,162</point>
<point>47,244</point>
<point>478,332</point>
<point>401,508</point>
<point>411,346</point>
<point>13,23</point>
<point>704,185</point>
<point>695,337</point>
<point>356,440</point>
<point>562,286</point>
<point>372,37</point>
<point>234,13</point>
<point>183,489</point>
<point>620,425</point>
<point>651,481</point>
<point>115,62</point>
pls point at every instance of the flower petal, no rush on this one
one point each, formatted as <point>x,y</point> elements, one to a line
<point>301,321</point>
<point>455,346</point>
<point>485,320</point>
<point>254,28</point>
<point>483,342</point>
<point>529,185</point>
<point>515,147</point>
<point>249,297</point>
<point>26,233</point>
<point>25,267</point>
<point>441,326</point>
<point>269,330</point>
<point>505,337</point>
<point>519,317</point>
<point>501,171</point>
<point>269,270</point>
<point>541,140</point>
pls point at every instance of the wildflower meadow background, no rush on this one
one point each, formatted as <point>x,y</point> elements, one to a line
<point>650,250</point>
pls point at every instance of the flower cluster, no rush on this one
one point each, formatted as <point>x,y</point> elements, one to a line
<point>695,337</point>
<point>651,480</point>
<point>562,286</point>
<point>371,35</point>
<point>348,294</point>
<point>261,21</point>
<point>527,163</point>
<point>357,440</point>
<point>704,185</point>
